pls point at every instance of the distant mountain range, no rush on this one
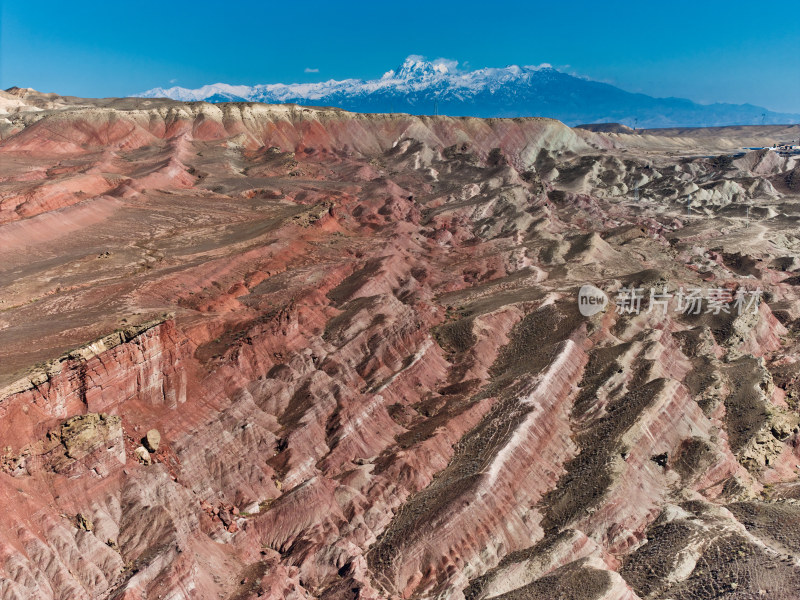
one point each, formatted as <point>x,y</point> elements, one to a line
<point>439,87</point>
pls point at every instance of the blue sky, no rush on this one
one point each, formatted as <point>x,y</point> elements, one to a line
<point>706,51</point>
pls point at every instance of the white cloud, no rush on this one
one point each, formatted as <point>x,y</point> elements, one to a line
<point>450,66</point>
<point>173,81</point>
<point>310,70</point>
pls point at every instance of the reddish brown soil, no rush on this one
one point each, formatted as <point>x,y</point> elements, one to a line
<point>359,339</point>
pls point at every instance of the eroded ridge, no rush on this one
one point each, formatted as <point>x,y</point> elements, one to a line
<point>254,351</point>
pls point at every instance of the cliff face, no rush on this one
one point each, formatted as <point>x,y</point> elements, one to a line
<point>272,352</point>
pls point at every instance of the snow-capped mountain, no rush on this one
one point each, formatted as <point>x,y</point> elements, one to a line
<point>419,86</point>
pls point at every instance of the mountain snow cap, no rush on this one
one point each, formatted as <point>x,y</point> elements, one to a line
<point>415,67</point>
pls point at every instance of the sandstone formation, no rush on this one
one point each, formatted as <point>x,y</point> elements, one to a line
<point>152,440</point>
<point>253,351</point>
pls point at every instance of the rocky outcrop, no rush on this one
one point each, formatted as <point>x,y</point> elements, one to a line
<point>85,433</point>
<point>141,362</point>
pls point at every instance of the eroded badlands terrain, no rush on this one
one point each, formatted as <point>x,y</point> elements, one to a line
<point>253,351</point>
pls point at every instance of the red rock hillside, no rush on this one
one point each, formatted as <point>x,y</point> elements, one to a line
<point>253,351</point>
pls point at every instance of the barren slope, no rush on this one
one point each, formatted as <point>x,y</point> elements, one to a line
<point>359,340</point>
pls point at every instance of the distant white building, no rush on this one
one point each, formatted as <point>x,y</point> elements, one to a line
<point>786,148</point>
